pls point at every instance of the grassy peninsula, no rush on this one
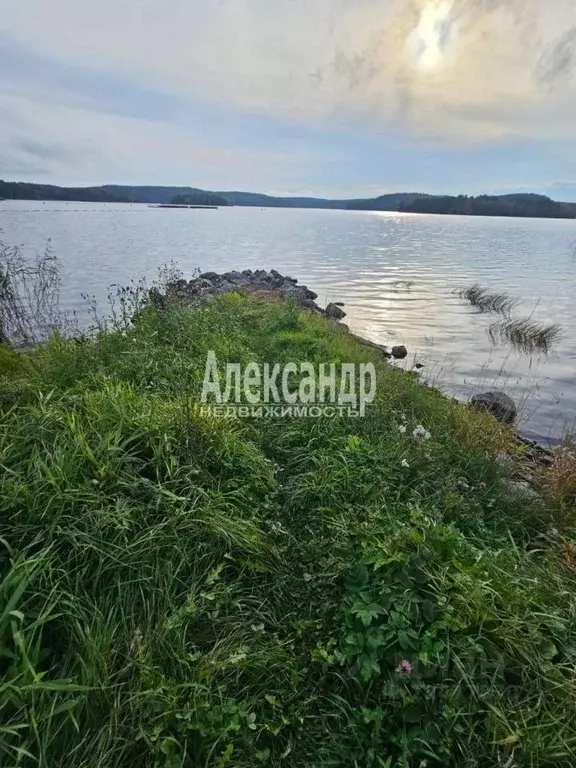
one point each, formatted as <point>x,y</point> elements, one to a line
<point>184,591</point>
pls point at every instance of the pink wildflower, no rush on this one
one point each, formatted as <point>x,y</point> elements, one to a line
<point>482,485</point>
<point>405,667</point>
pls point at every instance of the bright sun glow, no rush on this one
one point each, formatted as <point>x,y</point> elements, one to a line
<point>429,40</point>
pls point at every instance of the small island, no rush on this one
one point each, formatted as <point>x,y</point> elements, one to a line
<point>198,200</point>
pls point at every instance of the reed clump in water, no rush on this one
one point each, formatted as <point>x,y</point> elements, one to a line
<point>522,334</point>
<point>488,301</point>
<point>525,335</point>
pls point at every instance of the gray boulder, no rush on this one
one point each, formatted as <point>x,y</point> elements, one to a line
<point>520,488</point>
<point>334,311</point>
<point>225,287</point>
<point>498,404</point>
<point>234,277</point>
<point>289,289</point>
<point>199,285</point>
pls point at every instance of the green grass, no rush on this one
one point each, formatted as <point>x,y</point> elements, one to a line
<point>183,591</point>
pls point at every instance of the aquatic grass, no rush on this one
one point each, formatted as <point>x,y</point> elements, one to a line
<point>487,301</point>
<point>525,335</point>
<point>180,590</point>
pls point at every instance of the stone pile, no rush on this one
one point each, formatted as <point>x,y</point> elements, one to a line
<point>211,283</point>
<point>267,284</point>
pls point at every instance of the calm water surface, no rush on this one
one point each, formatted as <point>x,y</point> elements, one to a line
<point>396,274</point>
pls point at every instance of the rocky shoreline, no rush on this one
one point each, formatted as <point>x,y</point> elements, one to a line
<point>274,286</point>
<point>264,284</point>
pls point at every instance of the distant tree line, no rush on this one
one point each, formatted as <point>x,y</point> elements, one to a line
<point>19,190</point>
<point>409,202</point>
<point>390,202</point>
<point>525,205</point>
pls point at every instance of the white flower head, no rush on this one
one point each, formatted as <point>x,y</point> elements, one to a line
<point>421,432</point>
<point>405,464</point>
<point>402,429</point>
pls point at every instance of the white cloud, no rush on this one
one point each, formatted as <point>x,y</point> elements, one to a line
<point>80,146</point>
<point>434,72</point>
<point>326,60</point>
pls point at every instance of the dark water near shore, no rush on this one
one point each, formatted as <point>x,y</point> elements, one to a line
<point>396,274</point>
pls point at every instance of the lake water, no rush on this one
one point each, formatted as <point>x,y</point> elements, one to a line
<point>396,274</point>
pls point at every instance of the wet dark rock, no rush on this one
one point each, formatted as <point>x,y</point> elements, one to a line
<point>210,276</point>
<point>334,311</point>
<point>498,404</point>
<point>399,353</point>
<point>309,294</point>
<point>311,305</point>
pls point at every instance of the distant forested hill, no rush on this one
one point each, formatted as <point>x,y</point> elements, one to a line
<point>385,202</point>
<point>19,190</point>
<point>525,205</point>
<point>410,202</point>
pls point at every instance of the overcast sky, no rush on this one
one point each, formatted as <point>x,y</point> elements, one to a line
<point>327,97</point>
